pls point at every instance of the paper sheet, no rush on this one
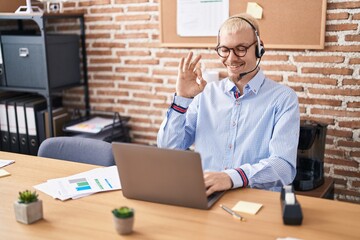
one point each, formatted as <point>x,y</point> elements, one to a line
<point>201,18</point>
<point>4,173</point>
<point>82,184</point>
<point>4,162</point>
<point>247,207</point>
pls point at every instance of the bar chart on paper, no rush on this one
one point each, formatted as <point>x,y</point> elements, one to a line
<point>80,184</point>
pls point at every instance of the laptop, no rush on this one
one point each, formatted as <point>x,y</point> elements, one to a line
<point>161,175</point>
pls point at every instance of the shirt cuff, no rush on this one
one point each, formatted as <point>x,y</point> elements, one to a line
<point>182,101</point>
<point>238,177</point>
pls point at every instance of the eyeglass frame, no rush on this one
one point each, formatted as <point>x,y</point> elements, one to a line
<point>233,50</point>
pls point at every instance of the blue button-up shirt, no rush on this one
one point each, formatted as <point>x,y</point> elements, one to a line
<point>252,137</point>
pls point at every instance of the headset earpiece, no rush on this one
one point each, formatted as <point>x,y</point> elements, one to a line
<point>259,50</point>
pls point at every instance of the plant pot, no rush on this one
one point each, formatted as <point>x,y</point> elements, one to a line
<point>124,226</point>
<point>28,213</point>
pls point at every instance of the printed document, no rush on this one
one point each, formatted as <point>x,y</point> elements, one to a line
<point>201,18</point>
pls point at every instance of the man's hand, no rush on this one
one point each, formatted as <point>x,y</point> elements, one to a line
<point>216,181</point>
<point>189,71</point>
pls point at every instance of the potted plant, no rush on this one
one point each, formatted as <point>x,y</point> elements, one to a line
<point>123,220</point>
<point>28,208</point>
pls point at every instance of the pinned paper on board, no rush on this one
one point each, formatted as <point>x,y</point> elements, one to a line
<point>254,10</point>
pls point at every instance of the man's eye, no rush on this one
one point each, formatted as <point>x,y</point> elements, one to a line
<point>224,50</point>
<point>240,49</point>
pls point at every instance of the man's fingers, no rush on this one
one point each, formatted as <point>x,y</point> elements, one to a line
<point>194,64</point>
<point>181,64</point>
<point>187,62</point>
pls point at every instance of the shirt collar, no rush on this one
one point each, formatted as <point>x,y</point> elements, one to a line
<point>253,85</point>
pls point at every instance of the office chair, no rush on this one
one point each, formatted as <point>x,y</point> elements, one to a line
<point>77,149</point>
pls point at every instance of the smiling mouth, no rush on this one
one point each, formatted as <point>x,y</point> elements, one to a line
<point>236,67</point>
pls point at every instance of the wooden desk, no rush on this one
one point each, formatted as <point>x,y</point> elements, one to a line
<point>91,218</point>
<point>326,190</point>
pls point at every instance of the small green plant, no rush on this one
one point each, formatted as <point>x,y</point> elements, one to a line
<point>123,212</point>
<point>27,197</point>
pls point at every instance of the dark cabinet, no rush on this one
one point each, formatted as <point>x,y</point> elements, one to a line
<point>36,58</point>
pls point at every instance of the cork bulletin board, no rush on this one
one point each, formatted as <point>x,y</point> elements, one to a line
<point>285,24</point>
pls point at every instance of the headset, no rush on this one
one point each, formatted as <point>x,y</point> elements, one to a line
<point>259,50</point>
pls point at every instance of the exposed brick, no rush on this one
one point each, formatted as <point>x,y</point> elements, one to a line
<point>164,72</point>
<point>342,162</point>
<point>355,82</point>
<point>150,96</point>
<point>107,10</point>
<point>132,17</point>
<point>356,16</point>
<point>356,184</point>
<point>275,58</point>
<point>352,38</point>
<point>132,36</point>
<point>355,174</point>
<point>335,152</point>
<point>354,61</point>
<point>350,124</point>
<point>343,5</point>
<point>132,53</point>
<point>143,9</point>
<point>142,62</point>
<point>105,27</point>
<point>131,70</point>
<point>355,154</point>
<point>347,192</point>
<point>325,59</point>
<point>97,18</point>
<point>340,113</point>
<point>134,86</point>
<point>339,133</point>
<point>141,26</point>
<point>108,45</point>
<point>98,35</point>
<point>134,103</point>
<point>333,38</point>
<point>317,101</point>
<point>314,80</point>
<point>341,27</point>
<point>333,92</point>
<point>338,48</point>
<point>130,1</point>
<point>352,144</point>
<point>105,60</point>
<point>146,79</point>
<point>328,121</point>
<point>277,78</point>
<point>353,104</point>
<point>327,71</point>
<point>337,16</point>
<point>280,67</point>
<point>99,69</point>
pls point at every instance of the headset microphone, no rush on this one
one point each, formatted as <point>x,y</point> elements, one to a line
<point>241,75</point>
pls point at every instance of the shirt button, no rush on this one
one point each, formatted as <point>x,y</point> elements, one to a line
<point>230,146</point>
<point>234,124</point>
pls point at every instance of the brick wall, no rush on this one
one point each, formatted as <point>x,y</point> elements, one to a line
<point>130,73</point>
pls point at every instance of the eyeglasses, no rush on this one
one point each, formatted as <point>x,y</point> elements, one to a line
<point>239,51</point>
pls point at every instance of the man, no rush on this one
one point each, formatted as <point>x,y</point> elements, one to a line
<point>246,126</point>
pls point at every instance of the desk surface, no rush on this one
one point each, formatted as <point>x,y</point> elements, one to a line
<point>91,218</point>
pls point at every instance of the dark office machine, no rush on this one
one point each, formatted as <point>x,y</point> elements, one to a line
<point>310,156</point>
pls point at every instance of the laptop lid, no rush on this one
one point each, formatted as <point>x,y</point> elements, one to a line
<point>161,175</point>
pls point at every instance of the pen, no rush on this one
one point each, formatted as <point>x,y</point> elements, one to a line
<point>234,214</point>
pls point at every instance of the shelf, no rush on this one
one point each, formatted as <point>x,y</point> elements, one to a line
<point>44,42</point>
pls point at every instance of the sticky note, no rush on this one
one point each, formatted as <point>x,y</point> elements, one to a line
<point>254,10</point>
<point>4,173</point>
<point>247,207</point>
